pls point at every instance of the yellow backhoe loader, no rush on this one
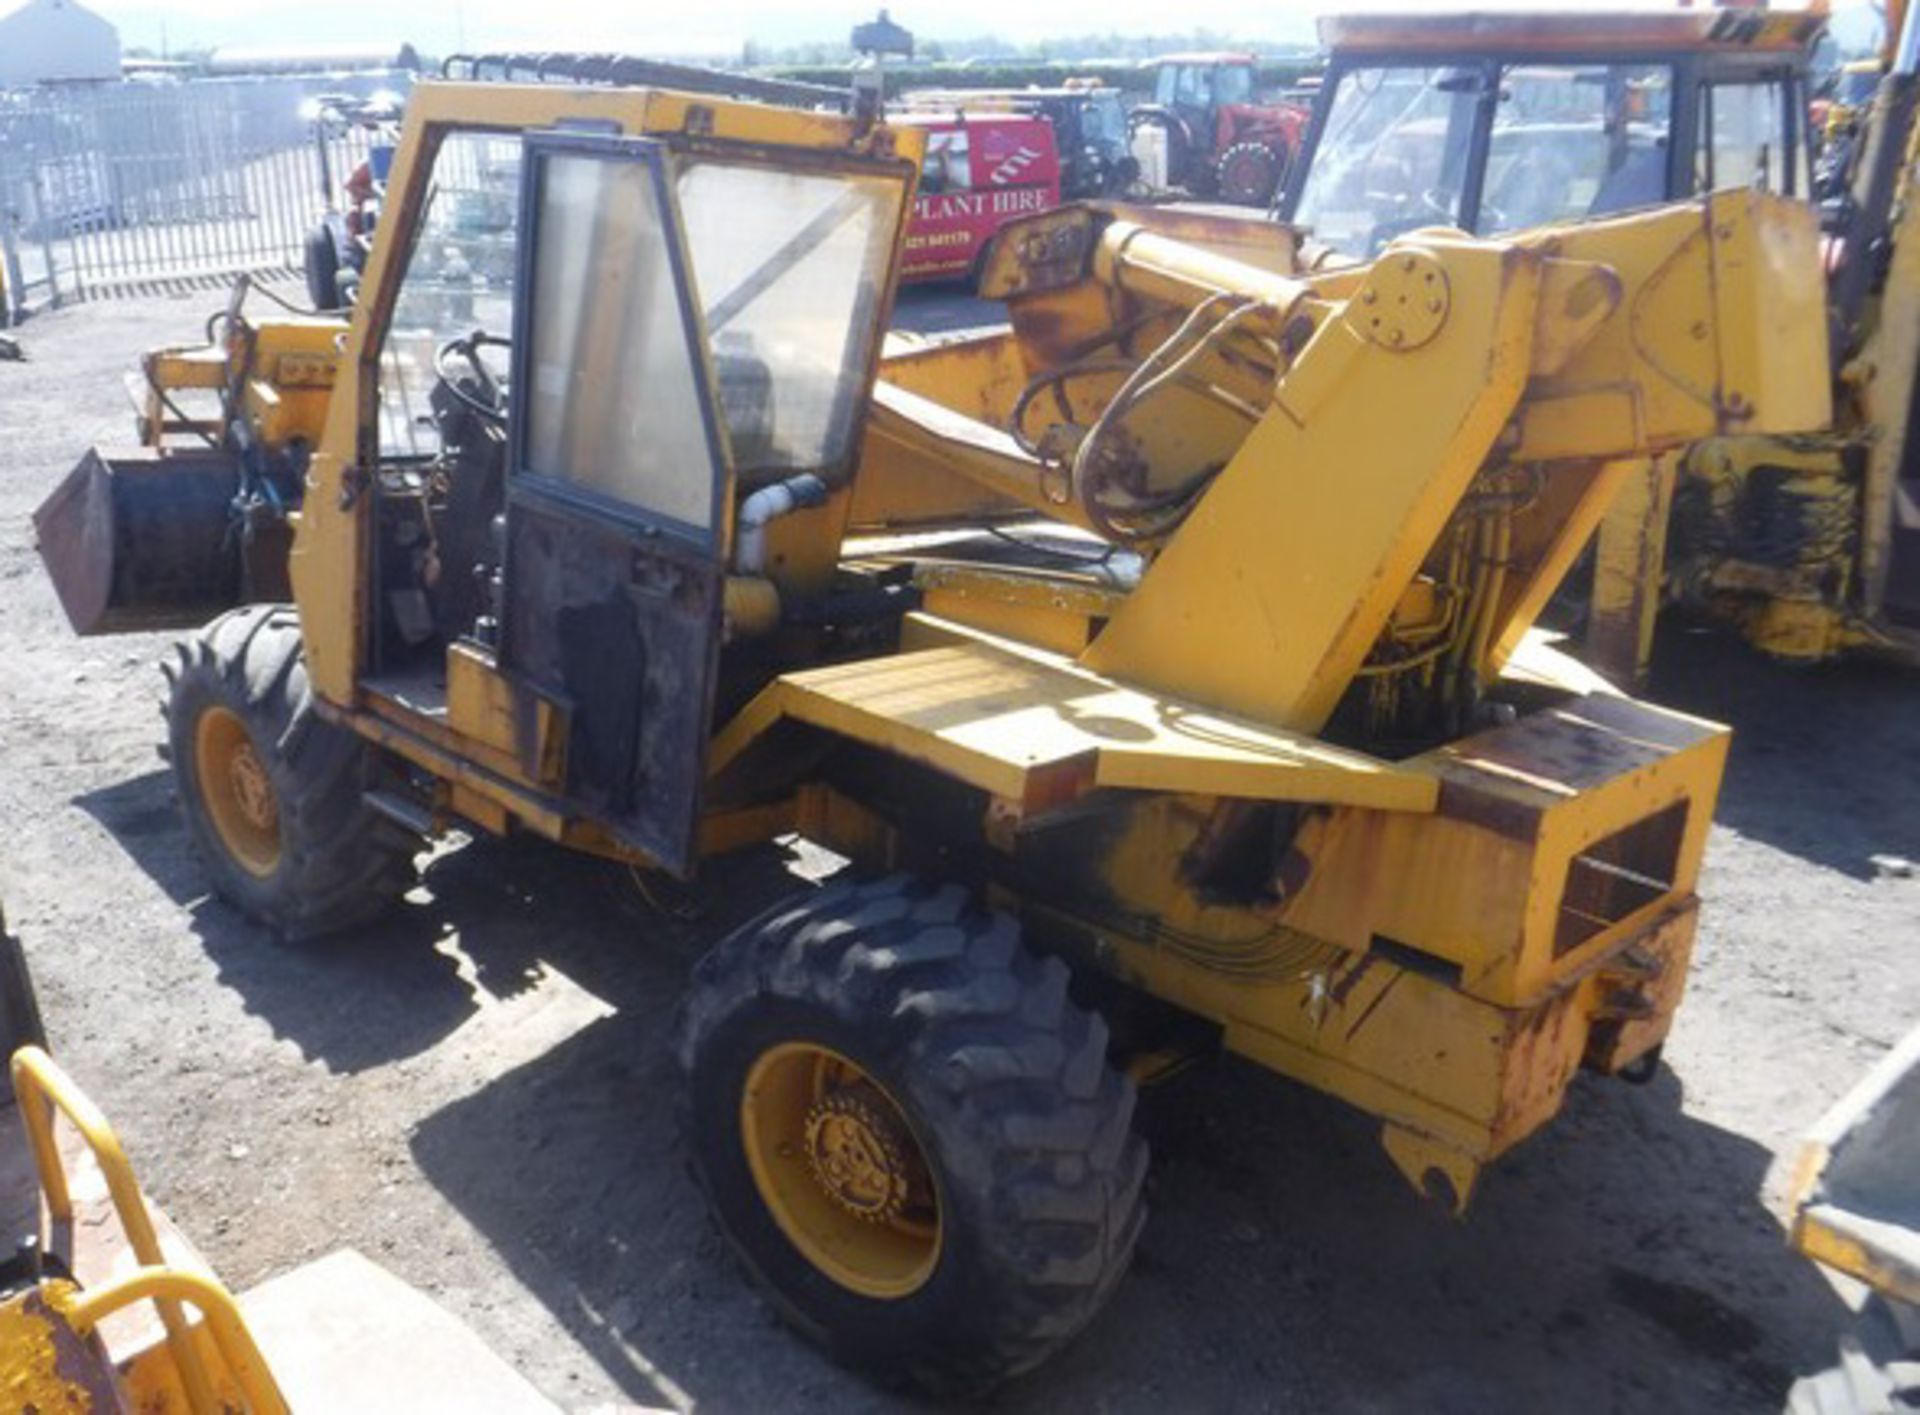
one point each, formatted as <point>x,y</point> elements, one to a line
<point>1808,545</point>
<point>1166,662</point>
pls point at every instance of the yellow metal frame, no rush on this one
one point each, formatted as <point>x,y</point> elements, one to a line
<point>168,1286</point>
<point>42,1087</point>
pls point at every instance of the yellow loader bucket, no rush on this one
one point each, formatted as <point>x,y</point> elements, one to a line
<point>143,538</point>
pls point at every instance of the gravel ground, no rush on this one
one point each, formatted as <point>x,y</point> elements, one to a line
<point>478,1092</point>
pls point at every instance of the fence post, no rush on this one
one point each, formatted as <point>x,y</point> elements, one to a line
<point>13,279</point>
<point>44,224</point>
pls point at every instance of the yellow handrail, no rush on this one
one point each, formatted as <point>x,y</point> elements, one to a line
<point>39,1085</point>
<point>222,1314</point>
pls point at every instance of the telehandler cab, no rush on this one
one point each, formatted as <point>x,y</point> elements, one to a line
<point>1164,661</point>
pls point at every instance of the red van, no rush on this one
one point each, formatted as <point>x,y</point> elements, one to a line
<point>981,171</point>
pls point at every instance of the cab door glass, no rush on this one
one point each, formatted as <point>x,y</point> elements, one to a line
<point>1195,89</point>
<point>459,277</point>
<point>1745,141</point>
<point>611,375</point>
<point>1572,141</point>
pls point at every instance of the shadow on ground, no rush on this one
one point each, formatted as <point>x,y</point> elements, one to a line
<point>1822,762</point>
<point>1620,1262</point>
<point>486,918</point>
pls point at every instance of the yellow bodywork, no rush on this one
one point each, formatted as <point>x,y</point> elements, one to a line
<point>82,1335</point>
<point>1788,540</point>
<point>49,1356</point>
<point>284,371</point>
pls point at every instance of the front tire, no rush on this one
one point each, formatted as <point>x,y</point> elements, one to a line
<point>273,796</point>
<point>909,1133</point>
<point>1248,173</point>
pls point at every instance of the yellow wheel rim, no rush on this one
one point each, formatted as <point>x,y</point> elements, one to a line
<point>838,1166</point>
<point>236,790</point>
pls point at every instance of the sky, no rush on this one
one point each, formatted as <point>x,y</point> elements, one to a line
<point>698,27</point>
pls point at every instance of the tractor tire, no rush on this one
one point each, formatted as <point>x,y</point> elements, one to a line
<point>20,1023</point>
<point>273,796</point>
<point>909,1134</point>
<point>322,262</point>
<point>1249,173</point>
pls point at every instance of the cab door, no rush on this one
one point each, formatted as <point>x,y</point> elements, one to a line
<point>618,489</point>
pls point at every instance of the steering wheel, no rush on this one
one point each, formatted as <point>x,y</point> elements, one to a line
<point>474,388</point>
<point>1440,202</point>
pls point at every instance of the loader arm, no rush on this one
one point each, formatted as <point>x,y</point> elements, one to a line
<point>1562,360</point>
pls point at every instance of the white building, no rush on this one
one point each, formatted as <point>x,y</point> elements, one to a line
<point>43,41</point>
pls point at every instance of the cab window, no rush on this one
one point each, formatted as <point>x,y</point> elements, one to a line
<point>1745,140</point>
<point>1233,83</point>
<point>1576,141</point>
<point>1195,86</point>
<point>948,165</point>
<point>459,277</point>
<point>1392,156</point>
<point>790,306</point>
<point>612,374</point>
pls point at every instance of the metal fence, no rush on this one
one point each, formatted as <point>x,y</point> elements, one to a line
<point>128,188</point>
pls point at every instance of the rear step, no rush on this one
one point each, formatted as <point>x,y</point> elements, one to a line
<point>408,814</point>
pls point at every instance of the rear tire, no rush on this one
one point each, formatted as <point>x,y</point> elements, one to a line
<point>323,269</point>
<point>1032,1175</point>
<point>1249,173</point>
<point>273,796</point>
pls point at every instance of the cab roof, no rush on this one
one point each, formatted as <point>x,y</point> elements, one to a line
<point>1558,32</point>
<point>1206,56</point>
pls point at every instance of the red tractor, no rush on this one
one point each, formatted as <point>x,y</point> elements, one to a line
<point>1216,140</point>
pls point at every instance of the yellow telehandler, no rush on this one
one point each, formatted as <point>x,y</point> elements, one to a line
<point>1165,662</point>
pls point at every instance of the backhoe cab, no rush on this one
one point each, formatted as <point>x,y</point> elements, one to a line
<point>1503,122</point>
<point>1513,121</point>
<point>1165,661</point>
